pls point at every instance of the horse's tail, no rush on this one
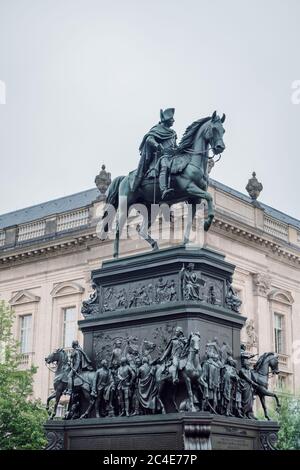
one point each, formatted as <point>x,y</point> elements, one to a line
<point>111,206</point>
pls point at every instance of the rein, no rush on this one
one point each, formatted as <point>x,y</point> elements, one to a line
<point>200,152</point>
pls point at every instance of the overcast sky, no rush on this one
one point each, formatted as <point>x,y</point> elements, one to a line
<point>85,79</point>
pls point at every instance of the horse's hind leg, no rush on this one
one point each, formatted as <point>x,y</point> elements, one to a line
<point>190,218</point>
<point>263,404</point>
<point>53,395</point>
<point>121,221</point>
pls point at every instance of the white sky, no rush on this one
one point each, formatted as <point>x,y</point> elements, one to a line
<point>85,79</point>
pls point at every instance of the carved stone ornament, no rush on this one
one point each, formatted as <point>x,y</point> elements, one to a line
<point>55,440</point>
<point>268,440</point>
<point>251,341</point>
<point>103,180</point>
<point>262,284</point>
<point>254,187</point>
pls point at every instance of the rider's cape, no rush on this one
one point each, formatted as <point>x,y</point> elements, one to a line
<point>160,133</point>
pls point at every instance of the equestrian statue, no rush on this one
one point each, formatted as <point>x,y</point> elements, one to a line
<point>167,174</point>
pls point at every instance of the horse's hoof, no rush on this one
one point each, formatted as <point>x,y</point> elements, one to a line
<point>155,247</point>
<point>208,222</point>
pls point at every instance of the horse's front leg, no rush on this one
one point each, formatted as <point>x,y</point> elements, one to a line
<point>267,393</point>
<point>195,192</point>
<point>53,395</point>
<point>58,394</point>
<point>188,384</point>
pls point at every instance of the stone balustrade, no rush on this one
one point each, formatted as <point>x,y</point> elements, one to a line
<point>72,219</point>
<point>33,230</point>
<point>276,228</point>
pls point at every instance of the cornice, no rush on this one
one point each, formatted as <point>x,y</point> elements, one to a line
<point>87,238</point>
<point>253,236</point>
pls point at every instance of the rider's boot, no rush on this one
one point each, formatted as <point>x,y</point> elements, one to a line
<point>163,183</point>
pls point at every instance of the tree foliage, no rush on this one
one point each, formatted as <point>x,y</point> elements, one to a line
<point>21,416</point>
<point>288,418</point>
<point>289,421</point>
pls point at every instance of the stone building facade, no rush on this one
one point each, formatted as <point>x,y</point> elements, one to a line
<point>47,253</point>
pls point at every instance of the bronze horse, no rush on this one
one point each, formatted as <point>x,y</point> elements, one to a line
<point>82,383</point>
<point>260,375</point>
<point>189,179</point>
<point>190,373</point>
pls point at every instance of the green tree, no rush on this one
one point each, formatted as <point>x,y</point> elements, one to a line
<point>289,421</point>
<point>288,418</point>
<point>21,417</point>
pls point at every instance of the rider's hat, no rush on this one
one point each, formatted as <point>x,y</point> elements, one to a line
<point>167,114</point>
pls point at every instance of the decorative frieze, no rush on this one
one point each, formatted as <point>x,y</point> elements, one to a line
<point>186,284</point>
<point>158,290</point>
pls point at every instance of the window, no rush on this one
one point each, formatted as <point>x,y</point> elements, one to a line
<point>69,326</point>
<point>25,333</point>
<point>281,382</point>
<point>279,333</point>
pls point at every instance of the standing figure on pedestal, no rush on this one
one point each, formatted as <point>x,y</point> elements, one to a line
<point>172,353</point>
<point>126,377</point>
<point>160,141</point>
<point>79,362</point>
<point>116,354</point>
<point>232,299</point>
<point>229,379</point>
<point>102,391</point>
<point>247,386</point>
<point>211,373</point>
<point>135,400</point>
<point>147,390</point>
<point>191,283</point>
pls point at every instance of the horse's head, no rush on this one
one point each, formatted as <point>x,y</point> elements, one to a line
<point>273,364</point>
<point>56,356</point>
<point>266,361</point>
<point>214,132</point>
<point>195,341</point>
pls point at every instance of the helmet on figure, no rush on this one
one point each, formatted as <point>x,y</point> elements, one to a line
<point>167,114</point>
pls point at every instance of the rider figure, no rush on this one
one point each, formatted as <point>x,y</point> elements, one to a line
<point>173,352</point>
<point>79,362</point>
<point>160,140</point>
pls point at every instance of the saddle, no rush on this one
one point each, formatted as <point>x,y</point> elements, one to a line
<point>177,165</point>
